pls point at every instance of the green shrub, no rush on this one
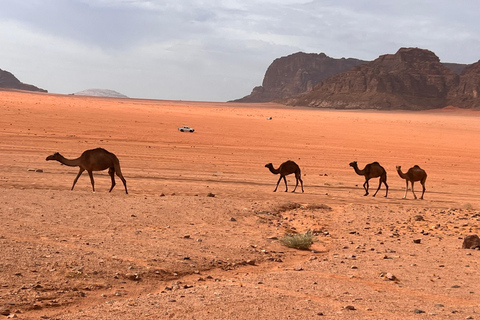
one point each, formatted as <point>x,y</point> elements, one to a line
<point>298,241</point>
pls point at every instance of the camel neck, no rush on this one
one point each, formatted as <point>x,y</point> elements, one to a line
<point>273,170</point>
<point>68,162</point>
<point>358,171</point>
<point>401,174</point>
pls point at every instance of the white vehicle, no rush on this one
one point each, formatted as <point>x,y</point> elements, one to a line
<point>185,129</point>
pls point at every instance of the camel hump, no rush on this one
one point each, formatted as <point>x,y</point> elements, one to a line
<point>376,162</point>
<point>416,166</point>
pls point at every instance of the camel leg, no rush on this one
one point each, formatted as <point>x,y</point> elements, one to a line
<point>379,185</point>
<point>406,189</point>
<point>90,173</point>
<point>365,186</point>
<point>413,191</point>
<point>111,172</point>
<point>119,174</point>
<point>78,176</point>
<point>386,186</point>
<point>277,183</point>
<point>286,187</point>
<point>301,182</point>
<point>423,192</point>
<point>296,185</point>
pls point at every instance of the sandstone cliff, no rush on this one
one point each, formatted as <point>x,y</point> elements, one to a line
<point>411,79</point>
<point>9,81</point>
<point>467,93</point>
<point>296,74</point>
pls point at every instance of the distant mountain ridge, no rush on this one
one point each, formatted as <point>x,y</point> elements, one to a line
<point>100,93</point>
<point>9,81</point>
<point>412,79</point>
<point>297,73</point>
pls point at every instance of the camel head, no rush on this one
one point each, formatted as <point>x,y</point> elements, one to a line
<point>269,165</point>
<point>54,156</point>
<point>399,168</point>
<point>353,164</point>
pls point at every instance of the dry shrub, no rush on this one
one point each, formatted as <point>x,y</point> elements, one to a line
<point>298,241</point>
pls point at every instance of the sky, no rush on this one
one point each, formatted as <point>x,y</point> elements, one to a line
<point>212,50</point>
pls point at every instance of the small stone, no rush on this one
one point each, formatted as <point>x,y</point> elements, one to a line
<point>211,195</point>
<point>39,170</point>
<point>471,242</point>
<point>187,236</point>
<point>418,218</point>
<point>349,308</point>
<point>4,311</point>
<point>132,276</point>
<point>233,219</point>
<point>417,240</point>
<point>418,311</point>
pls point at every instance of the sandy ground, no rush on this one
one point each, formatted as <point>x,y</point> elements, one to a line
<point>196,237</point>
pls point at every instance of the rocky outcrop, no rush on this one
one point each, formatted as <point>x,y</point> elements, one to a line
<point>9,81</point>
<point>467,93</point>
<point>100,93</point>
<point>412,79</point>
<point>297,73</point>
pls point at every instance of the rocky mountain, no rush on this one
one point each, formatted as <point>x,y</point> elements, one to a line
<point>9,81</point>
<point>467,93</point>
<point>297,73</point>
<point>100,93</point>
<point>411,79</point>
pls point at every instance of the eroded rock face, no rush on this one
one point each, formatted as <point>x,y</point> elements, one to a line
<point>9,81</point>
<point>297,73</point>
<point>412,79</point>
<point>467,93</point>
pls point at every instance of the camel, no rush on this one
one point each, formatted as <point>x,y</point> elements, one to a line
<point>286,168</point>
<point>93,160</point>
<point>371,170</point>
<point>413,174</point>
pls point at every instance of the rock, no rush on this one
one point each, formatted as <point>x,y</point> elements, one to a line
<point>8,80</point>
<point>132,276</point>
<point>233,219</point>
<point>297,73</point>
<point>417,240</point>
<point>349,308</point>
<point>418,218</point>
<point>418,311</point>
<point>410,79</point>
<point>39,170</point>
<point>4,311</point>
<point>211,195</point>
<point>471,242</point>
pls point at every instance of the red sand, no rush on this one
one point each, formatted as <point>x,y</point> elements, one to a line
<point>72,254</point>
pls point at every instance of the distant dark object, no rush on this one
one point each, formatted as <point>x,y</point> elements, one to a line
<point>269,118</point>
<point>186,129</point>
<point>286,168</point>
<point>9,81</point>
<point>93,160</point>
<point>471,242</point>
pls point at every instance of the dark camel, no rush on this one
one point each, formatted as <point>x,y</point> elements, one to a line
<point>371,170</point>
<point>286,168</point>
<point>413,174</point>
<point>93,160</point>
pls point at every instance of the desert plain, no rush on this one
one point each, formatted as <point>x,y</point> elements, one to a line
<point>197,236</point>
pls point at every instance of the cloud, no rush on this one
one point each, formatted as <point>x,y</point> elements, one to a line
<point>213,50</point>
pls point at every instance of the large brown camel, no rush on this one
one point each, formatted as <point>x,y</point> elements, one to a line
<point>413,174</point>
<point>286,168</point>
<point>93,160</point>
<point>371,170</point>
